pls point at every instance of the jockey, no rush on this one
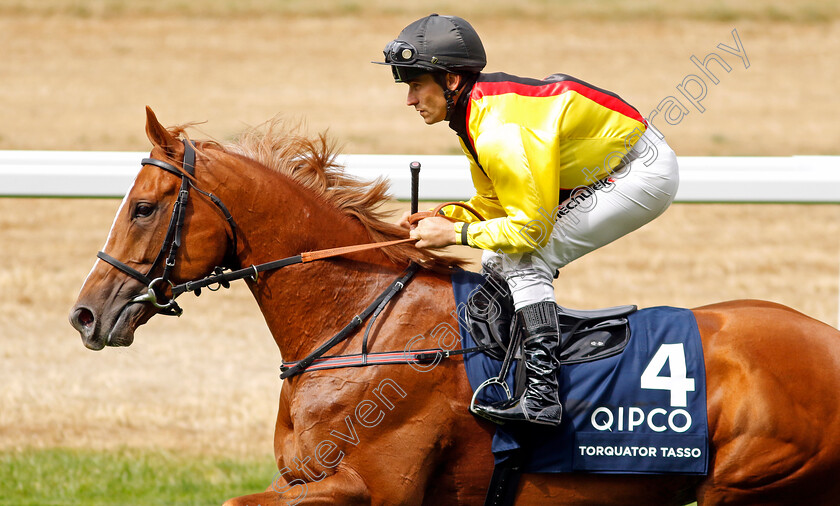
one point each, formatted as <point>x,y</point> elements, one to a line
<point>560,168</point>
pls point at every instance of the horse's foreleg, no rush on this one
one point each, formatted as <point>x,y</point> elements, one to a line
<point>343,487</point>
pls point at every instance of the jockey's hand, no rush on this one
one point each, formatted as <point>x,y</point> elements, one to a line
<point>403,221</point>
<point>433,232</point>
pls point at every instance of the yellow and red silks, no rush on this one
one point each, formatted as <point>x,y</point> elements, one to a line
<point>527,140</point>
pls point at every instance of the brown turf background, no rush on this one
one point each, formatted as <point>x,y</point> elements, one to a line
<point>76,76</point>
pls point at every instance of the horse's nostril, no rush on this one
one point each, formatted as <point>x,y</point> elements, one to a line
<point>84,317</point>
<point>84,321</point>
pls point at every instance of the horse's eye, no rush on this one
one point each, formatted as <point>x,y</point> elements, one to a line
<point>143,209</point>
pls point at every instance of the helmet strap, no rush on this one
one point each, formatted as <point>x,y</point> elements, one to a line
<point>449,95</point>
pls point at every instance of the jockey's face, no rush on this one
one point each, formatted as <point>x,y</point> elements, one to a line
<point>426,96</point>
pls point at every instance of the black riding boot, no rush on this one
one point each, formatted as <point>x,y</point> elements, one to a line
<point>540,402</point>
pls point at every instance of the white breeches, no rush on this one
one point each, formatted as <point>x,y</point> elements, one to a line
<point>640,191</point>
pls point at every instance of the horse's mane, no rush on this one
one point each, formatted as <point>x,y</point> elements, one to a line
<point>311,162</point>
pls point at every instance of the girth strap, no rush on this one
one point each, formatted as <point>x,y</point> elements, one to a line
<point>505,480</point>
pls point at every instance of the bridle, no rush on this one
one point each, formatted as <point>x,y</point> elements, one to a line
<point>222,278</point>
<point>172,240</point>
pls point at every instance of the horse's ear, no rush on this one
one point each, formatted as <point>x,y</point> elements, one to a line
<point>158,134</point>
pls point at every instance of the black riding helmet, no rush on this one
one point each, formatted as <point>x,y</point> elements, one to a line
<point>433,44</point>
<point>436,44</point>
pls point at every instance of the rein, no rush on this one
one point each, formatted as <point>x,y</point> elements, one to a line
<point>310,256</point>
<point>222,278</point>
<point>252,272</point>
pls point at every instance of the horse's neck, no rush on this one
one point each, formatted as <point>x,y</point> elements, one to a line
<point>305,304</point>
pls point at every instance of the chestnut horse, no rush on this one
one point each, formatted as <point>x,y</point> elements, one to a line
<point>390,434</point>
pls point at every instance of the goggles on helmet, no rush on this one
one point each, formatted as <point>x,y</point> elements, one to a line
<point>406,74</point>
<point>406,63</point>
<point>400,53</point>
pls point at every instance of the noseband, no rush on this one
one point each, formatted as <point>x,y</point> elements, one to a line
<point>172,240</point>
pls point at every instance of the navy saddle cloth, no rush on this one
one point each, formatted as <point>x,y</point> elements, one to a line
<point>640,411</point>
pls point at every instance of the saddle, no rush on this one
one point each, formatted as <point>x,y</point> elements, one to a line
<point>586,335</point>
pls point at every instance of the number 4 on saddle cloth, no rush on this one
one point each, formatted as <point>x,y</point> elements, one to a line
<point>633,385</point>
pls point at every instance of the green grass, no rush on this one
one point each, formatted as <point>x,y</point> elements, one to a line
<point>126,477</point>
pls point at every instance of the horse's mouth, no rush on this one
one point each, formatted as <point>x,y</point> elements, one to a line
<point>97,334</point>
<point>122,332</point>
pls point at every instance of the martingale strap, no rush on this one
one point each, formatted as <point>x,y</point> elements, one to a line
<point>357,320</point>
<point>366,359</point>
<point>384,357</point>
